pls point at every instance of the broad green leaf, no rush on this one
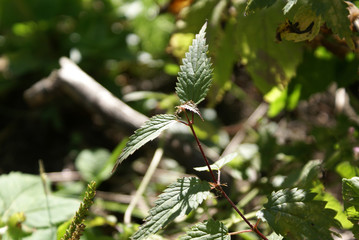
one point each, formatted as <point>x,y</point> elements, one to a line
<point>195,76</point>
<point>177,200</point>
<point>208,230</point>
<point>225,57</point>
<point>220,163</point>
<point>253,5</point>
<point>351,202</point>
<point>335,14</point>
<point>190,106</point>
<point>24,193</point>
<point>92,164</point>
<point>268,62</point>
<point>148,132</point>
<point>294,214</point>
<point>346,170</point>
<point>332,203</point>
<point>303,177</point>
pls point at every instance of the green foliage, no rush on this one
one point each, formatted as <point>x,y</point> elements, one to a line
<point>148,132</point>
<point>268,62</point>
<point>208,230</point>
<point>94,164</point>
<point>177,200</point>
<point>23,202</point>
<point>351,201</point>
<point>350,197</point>
<point>294,214</point>
<point>253,5</point>
<point>335,14</point>
<point>195,76</point>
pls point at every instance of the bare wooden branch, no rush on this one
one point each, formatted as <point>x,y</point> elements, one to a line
<point>75,83</point>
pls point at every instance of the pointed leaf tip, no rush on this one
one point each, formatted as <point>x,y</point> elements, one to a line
<point>195,76</point>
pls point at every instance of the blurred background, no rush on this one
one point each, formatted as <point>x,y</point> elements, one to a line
<point>133,48</point>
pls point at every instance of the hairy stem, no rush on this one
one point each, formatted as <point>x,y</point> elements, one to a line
<point>218,185</point>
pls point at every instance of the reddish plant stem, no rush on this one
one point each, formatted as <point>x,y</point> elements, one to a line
<point>218,185</point>
<point>190,125</point>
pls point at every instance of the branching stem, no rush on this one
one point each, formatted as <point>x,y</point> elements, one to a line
<point>218,184</point>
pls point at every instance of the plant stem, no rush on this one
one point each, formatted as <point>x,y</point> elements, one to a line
<point>190,124</point>
<point>218,186</point>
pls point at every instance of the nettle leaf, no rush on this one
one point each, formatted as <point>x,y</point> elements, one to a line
<point>209,230</point>
<point>351,198</point>
<point>253,5</point>
<point>195,75</point>
<point>148,132</point>
<point>177,200</point>
<point>351,202</point>
<point>190,106</point>
<point>335,14</point>
<point>220,163</point>
<point>294,214</point>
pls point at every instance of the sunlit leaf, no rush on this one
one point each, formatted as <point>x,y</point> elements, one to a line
<point>351,202</point>
<point>275,236</point>
<point>177,200</point>
<point>25,194</point>
<point>209,230</point>
<point>148,132</point>
<point>195,76</point>
<point>294,214</point>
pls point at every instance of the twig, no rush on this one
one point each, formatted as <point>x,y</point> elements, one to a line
<point>151,170</point>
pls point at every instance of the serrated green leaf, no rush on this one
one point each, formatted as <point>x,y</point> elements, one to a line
<point>220,163</point>
<point>177,200</point>
<point>351,198</point>
<point>208,230</point>
<point>253,5</point>
<point>190,106</point>
<point>148,132</point>
<point>351,202</point>
<point>294,214</point>
<point>332,203</point>
<point>195,75</point>
<point>304,177</point>
<point>335,14</point>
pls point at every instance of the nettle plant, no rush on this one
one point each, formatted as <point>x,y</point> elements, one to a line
<point>291,213</point>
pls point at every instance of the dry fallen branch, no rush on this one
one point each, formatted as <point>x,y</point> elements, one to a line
<point>75,83</point>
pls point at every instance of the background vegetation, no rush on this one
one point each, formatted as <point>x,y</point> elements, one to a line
<point>308,137</point>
